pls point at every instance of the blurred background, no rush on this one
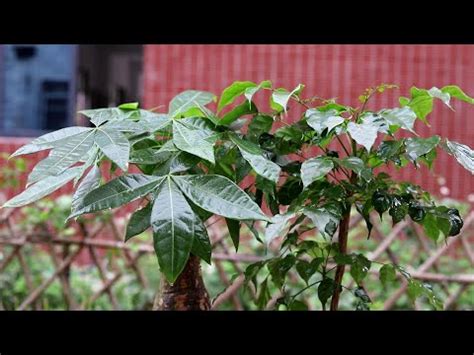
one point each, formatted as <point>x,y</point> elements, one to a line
<point>42,86</point>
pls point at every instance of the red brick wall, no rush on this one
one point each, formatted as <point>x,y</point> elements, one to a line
<point>329,71</point>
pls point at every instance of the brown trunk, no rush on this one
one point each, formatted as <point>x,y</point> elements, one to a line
<point>342,236</point>
<point>188,293</point>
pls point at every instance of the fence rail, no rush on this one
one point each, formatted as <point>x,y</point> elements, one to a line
<point>105,236</point>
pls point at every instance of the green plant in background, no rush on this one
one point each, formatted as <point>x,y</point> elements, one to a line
<point>192,160</point>
<point>10,171</point>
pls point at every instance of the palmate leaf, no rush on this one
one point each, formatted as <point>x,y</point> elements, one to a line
<point>114,145</point>
<point>117,192</point>
<point>254,156</point>
<point>139,222</point>
<point>219,195</point>
<point>201,242</point>
<point>48,140</point>
<point>42,188</point>
<point>69,152</point>
<point>189,99</point>
<point>191,141</point>
<point>90,182</point>
<point>173,222</point>
<point>102,115</point>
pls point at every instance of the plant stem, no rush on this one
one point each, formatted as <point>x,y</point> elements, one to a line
<point>343,232</point>
<point>188,293</point>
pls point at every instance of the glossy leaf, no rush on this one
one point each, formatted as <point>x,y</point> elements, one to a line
<point>363,134</point>
<point>233,91</point>
<point>314,169</point>
<point>241,110</point>
<point>219,195</point>
<point>234,231</point>
<point>463,154</point>
<point>456,92</point>
<point>48,140</point>
<point>201,242</point>
<point>102,115</point>
<point>416,147</point>
<point>254,156</point>
<point>189,99</point>
<point>326,289</point>
<point>118,192</point>
<point>321,120</point>
<point>114,145</point>
<point>281,96</point>
<point>402,117</point>
<point>64,155</point>
<point>90,182</point>
<point>324,221</point>
<point>173,223</point>
<point>139,221</point>
<point>190,140</point>
<point>42,188</point>
<point>129,106</point>
<point>278,226</point>
<point>250,91</point>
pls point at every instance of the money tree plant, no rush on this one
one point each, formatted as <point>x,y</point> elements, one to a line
<point>191,162</point>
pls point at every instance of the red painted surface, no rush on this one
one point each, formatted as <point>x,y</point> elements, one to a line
<point>329,71</point>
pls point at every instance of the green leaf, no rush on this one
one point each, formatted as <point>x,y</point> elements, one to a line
<point>278,226</point>
<point>189,99</point>
<point>102,115</point>
<point>320,120</point>
<point>91,159</point>
<point>400,117</point>
<point>359,268</point>
<point>117,192</point>
<point>201,244</point>
<point>114,145</point>
<point>154,121</point>
<point>48,140</point>
<point>381,202</point>
<point>64,155</point>
<point>233,91</point>
<point>279,267</point>
<point>296,305</point>
<point>324,220</point>
<point>463,154</point>
<point>139,222</point>
<point>259,124</point>
<point>42,188</point>
<point>177,162</point>
<point>90,182</point>
<point>237,112</point>
<point>254,156</point>
<point>264,295</point>
<point>326,289</point>
<point>357,165</point>
<point>416,147</point>
<point>281,96</point>
<point>456,92</point>
<point>430,226</point>
<point>314,169</point>
<point>307,269</point>
<point>364,134</point>
<point>219,195</point>
<point>421,103</point>
<point>250,91</point>
<point>129,106</point>
<point>190,140</point>
<point>234,231</point>
<point>443,96</point>
<point>173,223</point>
<point>398,209</point>
<point>387,274</point>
